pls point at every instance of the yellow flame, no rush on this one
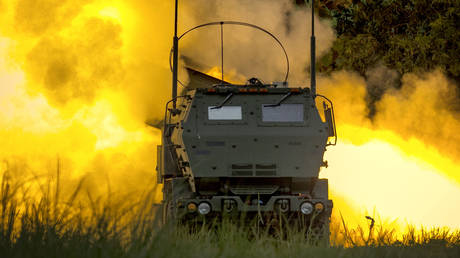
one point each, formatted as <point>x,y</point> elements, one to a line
<point>80,81</point>
<point>400,165</point>
<point>111,12</point>
<point>215,72</point>
<point>379,176</point>
<point>63,95</point>
<point>230,76</point>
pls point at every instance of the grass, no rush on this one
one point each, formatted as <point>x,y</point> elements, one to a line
<point>44,223</point>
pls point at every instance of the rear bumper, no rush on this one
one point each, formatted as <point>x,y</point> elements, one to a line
<point>218,204</point>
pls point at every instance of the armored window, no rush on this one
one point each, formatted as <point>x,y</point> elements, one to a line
<point>225,113</point>
<point>282,113</point>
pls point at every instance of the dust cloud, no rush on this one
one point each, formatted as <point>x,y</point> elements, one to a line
<point>77,86</point>
<point>250,52</point>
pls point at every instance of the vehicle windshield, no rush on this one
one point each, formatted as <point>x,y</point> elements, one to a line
<point>283,113</point>
<point>225,113</point>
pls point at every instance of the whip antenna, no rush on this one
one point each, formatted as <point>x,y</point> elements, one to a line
<point>313,51</point>
<point>175,61</point>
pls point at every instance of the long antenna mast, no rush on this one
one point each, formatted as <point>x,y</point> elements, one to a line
<point>313,51</point>
<point>175,61</point>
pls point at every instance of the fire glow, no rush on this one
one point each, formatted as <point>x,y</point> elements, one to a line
<point>87,99</point>
<point>378,177</point>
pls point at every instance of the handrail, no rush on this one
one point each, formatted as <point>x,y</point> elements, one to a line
<point>166,111</point>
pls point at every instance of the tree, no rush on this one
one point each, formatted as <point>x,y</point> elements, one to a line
<point>408,36</point>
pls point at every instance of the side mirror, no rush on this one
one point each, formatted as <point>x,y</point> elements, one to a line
<point>329,120</point>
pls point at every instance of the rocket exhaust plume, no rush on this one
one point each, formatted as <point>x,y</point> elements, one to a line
<point>79,78</point>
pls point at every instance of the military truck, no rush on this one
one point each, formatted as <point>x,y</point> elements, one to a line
<point>252,148</point>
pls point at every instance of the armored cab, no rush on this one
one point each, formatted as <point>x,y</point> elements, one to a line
<point>255,148</point>
<point>245,148</point>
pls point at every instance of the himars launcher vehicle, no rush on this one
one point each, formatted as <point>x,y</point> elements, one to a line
<point>245,149</point>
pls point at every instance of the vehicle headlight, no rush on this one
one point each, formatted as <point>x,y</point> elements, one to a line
<point>204,208</point>
<point>306,208</point>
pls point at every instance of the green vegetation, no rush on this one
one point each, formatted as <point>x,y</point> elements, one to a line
<point>394,37</point>
<point>49,225</point>
<point>407,36</point>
